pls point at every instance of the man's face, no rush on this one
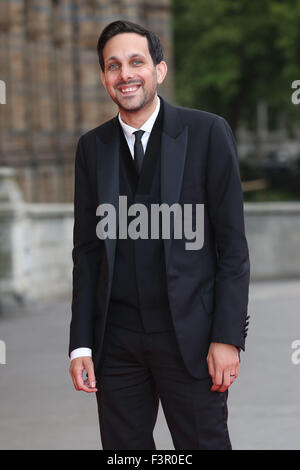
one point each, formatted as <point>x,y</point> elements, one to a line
<point>130,77</point>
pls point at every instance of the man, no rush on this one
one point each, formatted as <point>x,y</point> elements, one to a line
<point>152,320</point>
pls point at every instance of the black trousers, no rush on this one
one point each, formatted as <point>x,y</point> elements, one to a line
<point>137,371</point>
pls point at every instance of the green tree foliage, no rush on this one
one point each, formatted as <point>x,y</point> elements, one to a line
<point>230,54</point>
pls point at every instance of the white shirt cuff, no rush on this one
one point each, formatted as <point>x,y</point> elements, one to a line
<point>80,352</point>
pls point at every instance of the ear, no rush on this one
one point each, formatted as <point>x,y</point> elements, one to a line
<point>161,70</point>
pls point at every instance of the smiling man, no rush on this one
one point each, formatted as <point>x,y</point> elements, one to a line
<point>130,76</point>
<point>151,320</point>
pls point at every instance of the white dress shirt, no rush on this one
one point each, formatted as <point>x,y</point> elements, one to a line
<point>130,137</point>
<point>146,127</point>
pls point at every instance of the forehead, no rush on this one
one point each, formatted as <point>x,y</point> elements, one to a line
<point>125,45</point>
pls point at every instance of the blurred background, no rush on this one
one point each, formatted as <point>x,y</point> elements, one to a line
<point>237,59</point>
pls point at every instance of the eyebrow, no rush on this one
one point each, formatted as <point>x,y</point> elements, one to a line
<point>130,57</point>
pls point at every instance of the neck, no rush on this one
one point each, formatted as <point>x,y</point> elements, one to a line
<point>137,119</point>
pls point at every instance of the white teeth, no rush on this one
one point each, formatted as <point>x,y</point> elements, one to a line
<point>124,90</point>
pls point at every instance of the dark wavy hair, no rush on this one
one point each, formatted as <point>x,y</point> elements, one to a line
<point>123,26</point>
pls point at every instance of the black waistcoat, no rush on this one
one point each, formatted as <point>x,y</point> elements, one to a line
<point>139,298</point>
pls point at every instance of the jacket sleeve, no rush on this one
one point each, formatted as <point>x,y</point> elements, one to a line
<point>225,208</point>
<point>86,256</point>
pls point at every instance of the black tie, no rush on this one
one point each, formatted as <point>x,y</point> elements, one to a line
<point>138,150</point>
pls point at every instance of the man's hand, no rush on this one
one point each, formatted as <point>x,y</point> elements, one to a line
<point>77,366</point>
<point>223,365</point>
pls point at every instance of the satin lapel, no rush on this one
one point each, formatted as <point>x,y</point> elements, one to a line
<point>173,155</point>
<point>108,184</point>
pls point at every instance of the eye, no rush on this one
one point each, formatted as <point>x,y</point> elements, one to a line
<point>137,62</point>
<point>113,66</point>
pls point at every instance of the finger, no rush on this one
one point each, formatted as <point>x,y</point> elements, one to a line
<point>87,384</point>
<point>79,379</point>
<point>77,374</point>
<point>89,367</point>
<point>74,383</point>
<point>232,377</point>
<point>73,377</point>
<point>218,379</point>
<point>81,385</point>
<point>225,382</point>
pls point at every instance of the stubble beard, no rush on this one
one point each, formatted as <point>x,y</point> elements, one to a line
<point>144,100</point>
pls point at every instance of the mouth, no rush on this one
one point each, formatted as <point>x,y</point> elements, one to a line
<point>129,90</point>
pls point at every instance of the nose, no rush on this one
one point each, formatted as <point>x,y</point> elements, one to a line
<point>125,73</point>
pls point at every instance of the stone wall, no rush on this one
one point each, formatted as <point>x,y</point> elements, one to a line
<point>36,243</point>
<point>49,64</point>
<point>273,233</point>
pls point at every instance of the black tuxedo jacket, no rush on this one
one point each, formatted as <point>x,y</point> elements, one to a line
<point>207,288</point>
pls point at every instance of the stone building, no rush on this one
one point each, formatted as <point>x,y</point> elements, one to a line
<point>49,64</point>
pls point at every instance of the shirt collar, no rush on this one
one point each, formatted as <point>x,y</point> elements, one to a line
<point>147,126</point>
